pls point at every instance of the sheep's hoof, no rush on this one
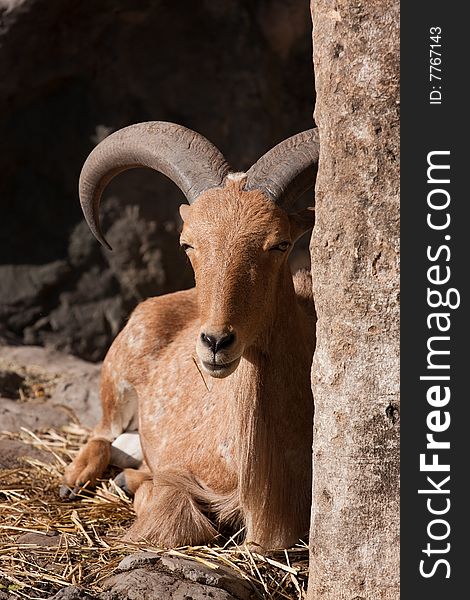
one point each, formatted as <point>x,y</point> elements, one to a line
<point>68,493</point>
<point>120,481</point>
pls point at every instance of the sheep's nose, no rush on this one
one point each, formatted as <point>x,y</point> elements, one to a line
<point>217,342</point>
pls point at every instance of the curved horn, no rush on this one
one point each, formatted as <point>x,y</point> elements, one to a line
<point>186,157</point>
<point>288,170</point>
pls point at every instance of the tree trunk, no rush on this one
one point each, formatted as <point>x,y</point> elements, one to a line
<point>354,538</point>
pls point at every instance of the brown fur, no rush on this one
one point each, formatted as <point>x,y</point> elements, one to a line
<point>89,463</point>
<point>235,446</point>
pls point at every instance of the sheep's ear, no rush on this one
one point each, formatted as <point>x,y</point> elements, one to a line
<point>301,222</point>
<point>184,211</point>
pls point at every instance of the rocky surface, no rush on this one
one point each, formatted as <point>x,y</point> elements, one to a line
<point>355,267</point>
<point>191,570</point>
<point>163,577</point>
<point>70,73</point>
<point>72,593</point>
<point>52,538</point>
<point>13,452</point>
<point>44,388</point>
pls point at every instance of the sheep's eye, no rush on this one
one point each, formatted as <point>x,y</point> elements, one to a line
<point>185,246</point>
<point>282,247</point>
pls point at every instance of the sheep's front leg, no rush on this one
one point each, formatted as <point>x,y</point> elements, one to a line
<point>119,411</point>
<point>89,464</point>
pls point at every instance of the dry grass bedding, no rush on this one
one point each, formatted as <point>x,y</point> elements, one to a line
<point>86,544</point>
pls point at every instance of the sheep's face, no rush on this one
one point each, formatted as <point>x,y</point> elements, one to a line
<point>238,243</point>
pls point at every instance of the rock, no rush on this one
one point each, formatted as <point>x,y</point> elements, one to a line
<point>354,549</point>
<point>25,290</point>
<point>237,71</point>
<point>72,387</point>
<point>13,452</point>
<point>227,583</point>
<point>10,383</point>
<point>221,577</point>
<point>157,585</point>
<point>21,284</point>
<point>138,560</point>
<point>185,591</point>
<point>52,538</point>
<point>33,415</point>
<point>72,593</point>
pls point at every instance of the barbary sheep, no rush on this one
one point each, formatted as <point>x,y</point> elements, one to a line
<point>216,378</point>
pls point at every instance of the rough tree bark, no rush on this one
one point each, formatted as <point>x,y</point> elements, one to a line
<point>355,518</point>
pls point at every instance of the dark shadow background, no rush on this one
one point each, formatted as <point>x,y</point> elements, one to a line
<point>237,71</point>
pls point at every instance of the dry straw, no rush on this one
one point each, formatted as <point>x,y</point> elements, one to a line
<point>87,546</point>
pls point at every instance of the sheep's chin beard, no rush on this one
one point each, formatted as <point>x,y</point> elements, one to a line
<point>219,371</point>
